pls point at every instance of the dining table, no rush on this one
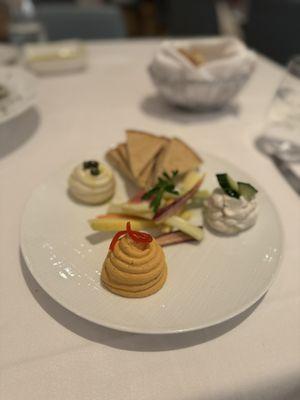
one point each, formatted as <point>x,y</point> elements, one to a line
<point>49,353</point>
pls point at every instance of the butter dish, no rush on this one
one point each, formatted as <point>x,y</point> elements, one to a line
<point>55,57</point>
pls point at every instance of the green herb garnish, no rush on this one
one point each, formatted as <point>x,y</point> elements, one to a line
<point>165,183</point>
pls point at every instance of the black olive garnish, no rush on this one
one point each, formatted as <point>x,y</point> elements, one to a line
<point>90,164</point>
<point>95,171</point>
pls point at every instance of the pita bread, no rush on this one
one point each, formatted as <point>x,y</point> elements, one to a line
<point>115,159</point>
<point>159,161</point>
<point>122,149</point>
<point>193,55</point>
<point>142,147</point>
<point>152,179</point>
<point>145,177</point>
<point>176,156</point>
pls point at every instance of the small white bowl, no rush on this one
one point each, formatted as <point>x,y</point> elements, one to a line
<point>187,86</point>
<point>55,57</point>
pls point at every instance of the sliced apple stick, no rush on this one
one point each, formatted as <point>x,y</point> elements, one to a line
<point>177,205</point>
<point>115,222</point>
<point>186,227</point>
<point>189,181</point>
<point>141,210</point>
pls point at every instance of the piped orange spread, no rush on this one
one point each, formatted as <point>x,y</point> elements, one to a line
<point>135,265</point>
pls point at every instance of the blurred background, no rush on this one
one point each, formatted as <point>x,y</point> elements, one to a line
<point>272,27</point>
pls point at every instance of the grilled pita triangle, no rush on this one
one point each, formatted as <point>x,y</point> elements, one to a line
<point>142,147</point>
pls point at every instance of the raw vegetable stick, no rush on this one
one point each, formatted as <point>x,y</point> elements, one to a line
<point>114,223</point>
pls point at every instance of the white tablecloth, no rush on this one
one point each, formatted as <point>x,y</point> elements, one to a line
<point>49,353</point>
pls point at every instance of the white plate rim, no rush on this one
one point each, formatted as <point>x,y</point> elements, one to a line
<point>26,103</point>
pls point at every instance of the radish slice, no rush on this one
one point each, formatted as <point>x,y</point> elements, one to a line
<point>176,205</point>
<point>137,198</point>
<point>167,239</point>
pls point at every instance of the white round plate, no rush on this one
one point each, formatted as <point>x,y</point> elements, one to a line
<point>21,87</point>
<point>208,282</point>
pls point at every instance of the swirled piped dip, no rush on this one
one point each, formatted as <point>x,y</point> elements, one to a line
<point>92,182</point>
<point>133,268</point>
<point>231,208</point>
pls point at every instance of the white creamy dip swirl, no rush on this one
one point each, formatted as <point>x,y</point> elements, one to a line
<point>227,214</point>
<point>92,189</point>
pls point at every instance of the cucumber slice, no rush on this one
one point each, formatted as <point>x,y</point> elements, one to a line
<point>229,185</point>
<point>246,190</point>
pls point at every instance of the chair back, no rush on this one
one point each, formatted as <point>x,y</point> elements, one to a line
<point>274,28</point>
<point>82,22</point>
<point>191,17</point>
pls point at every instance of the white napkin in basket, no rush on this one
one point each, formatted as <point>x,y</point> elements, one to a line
<point>225,58</point>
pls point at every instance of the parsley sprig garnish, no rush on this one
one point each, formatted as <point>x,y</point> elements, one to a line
<point>165,183</point>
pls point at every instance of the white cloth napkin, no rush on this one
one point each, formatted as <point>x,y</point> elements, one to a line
<point>225,58</point>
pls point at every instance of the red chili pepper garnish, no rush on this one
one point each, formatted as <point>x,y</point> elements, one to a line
<point>115,239</point>
<point>139,237</point>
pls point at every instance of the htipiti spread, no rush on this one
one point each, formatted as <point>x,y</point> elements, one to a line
<point>135,265</point>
